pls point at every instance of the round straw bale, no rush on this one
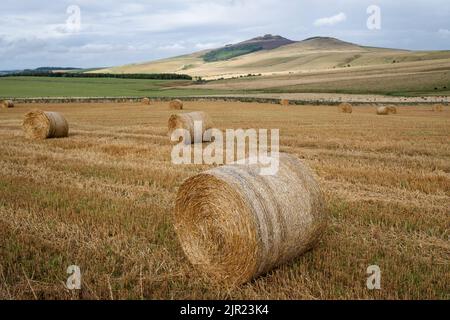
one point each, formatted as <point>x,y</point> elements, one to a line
<point>382,111</point>
<point>186,121</point>
<point>345,108</point>
<point>146,101</point>
<point>438,108</point>
<point>284,102</point>
<point>6,104</point>
<point>235,224</point>
<point>392,109</point>
<point>42,125</point>
<point>176,104</point>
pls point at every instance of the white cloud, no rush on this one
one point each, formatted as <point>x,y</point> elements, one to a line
<point>101,48</point>
<point>208,45</point>
<point>331,21</point>
<point>172,47</point>
<point>35,33</point>
<point>444,33</point>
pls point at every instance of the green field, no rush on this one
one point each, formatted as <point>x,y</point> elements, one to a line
<point>420,84</point>
<point>29,87</point>
<point>429,83</point>
<point>229,53</point>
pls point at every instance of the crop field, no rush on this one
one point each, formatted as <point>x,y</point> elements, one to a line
<point>406,79</point>
<point>102,199</point>
<point>29,87</point>
<point>423,78</point>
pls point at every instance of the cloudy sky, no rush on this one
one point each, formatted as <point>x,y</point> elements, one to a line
<point>46,33</point>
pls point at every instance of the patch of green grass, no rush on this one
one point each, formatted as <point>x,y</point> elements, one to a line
<point>230,52</point>
<point>29,87</point>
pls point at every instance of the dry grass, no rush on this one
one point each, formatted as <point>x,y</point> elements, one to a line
<point>102,199</point>
<point>438,108</point>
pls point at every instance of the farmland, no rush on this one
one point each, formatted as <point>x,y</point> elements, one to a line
<point>102,199</point>
<point>407,79</point>
<point>422,78</point>
<point>29,87</point>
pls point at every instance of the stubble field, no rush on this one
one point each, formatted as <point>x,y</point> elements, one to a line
<point>102,199</point>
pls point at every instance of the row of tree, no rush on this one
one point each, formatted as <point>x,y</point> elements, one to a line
<point>152,76</point>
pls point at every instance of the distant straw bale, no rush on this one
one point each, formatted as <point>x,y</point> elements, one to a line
<point>382,111</point>
<point>345,108</point>
<point>43,125</point>
<point>438,108</point>
<point>6,104</point>
<point>392,109</point>
<point>187,121</point>
<point>176,104</point>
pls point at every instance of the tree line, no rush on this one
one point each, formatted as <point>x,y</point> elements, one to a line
<point>149,76</point>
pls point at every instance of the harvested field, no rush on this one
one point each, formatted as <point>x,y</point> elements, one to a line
<point>103,199</point>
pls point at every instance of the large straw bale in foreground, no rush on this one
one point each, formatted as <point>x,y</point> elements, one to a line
<point>186,121</point>
<point>234,224</point>
<point>345,108</point>
<point>6,104</point>
<point>43,125</point>
<point>176,104</point>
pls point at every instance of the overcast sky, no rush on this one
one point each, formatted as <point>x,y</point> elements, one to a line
<point>45,33</point>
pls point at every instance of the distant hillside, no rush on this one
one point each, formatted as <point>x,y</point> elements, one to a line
<point>269,55</point>
<point>41,69</point>
<point>53,69</point>
<point>268,42</point>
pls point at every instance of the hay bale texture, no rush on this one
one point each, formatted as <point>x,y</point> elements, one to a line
<point>382,111</point>
<point>6,104</point>
<point>284,102</point>
<point>44,125</point>
<point>146,101</point>
<point>186,121</point>
<point>438,108</point>
<point>345,108</point>
<point>176,104</point>
<point>234,224</point>
<point>392,109</point>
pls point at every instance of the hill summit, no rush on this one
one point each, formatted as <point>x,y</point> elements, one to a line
<point>267,42</point>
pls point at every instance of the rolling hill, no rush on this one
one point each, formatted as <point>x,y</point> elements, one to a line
<point>275,55</point>
<point>268,42</point>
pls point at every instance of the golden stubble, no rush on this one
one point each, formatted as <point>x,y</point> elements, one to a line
<point>103,199</point>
